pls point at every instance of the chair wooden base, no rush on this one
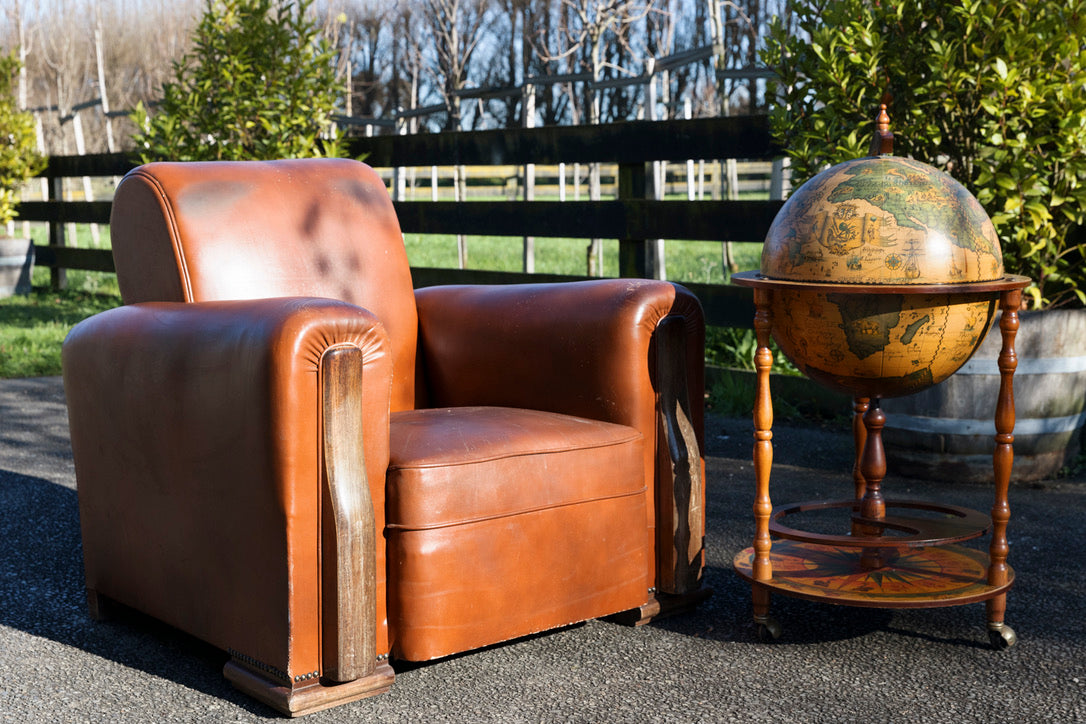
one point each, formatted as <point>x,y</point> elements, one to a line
<point>660,606</point>
<point>293,702</point>
<point>312,697</point>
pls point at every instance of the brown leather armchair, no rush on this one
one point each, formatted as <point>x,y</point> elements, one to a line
<point>283,449</point>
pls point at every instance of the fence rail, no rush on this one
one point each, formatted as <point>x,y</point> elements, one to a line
<point>631,218</point>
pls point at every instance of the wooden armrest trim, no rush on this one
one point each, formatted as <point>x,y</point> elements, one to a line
<point>680,495</point>
<point>349,538</point>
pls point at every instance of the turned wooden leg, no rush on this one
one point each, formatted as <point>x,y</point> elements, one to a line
<point>763,463</point>
<point>859,439</point>
<point>860,405</point>
<point>872,470</point>
<point>999,633</point>
<point>767,626</point>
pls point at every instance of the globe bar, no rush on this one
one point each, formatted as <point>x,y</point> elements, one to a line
<point>880,277</point>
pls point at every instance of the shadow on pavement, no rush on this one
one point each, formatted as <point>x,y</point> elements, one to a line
<point>42,593</point>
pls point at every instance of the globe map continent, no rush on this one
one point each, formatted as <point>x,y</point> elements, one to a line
<point>884,220</point>
<point>879,345</point>
<point>881,220</point>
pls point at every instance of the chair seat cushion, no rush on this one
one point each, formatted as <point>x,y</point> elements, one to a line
<point>503,522</point>
<point>454,465</point>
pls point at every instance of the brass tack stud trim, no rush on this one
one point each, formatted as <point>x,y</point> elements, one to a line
<point>258,665</point>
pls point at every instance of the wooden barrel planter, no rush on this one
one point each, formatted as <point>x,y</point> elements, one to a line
<point>16,263</point>
<point>946,432</point>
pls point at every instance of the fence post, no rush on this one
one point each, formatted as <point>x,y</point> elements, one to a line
<point>659,185</point>
<point>528,121</point>
<point>88,190</point>
<point>635,258</point>
<point>691,192</point>
<point>58,276</point>
<point>780,182</point>
<point>595,246</point>
<point>731,180</point>
<point>399,180</point>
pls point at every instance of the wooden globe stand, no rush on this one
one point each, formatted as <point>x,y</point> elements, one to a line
<point>892,557</point>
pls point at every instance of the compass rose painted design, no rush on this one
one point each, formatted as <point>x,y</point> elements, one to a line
<point>909,577</point>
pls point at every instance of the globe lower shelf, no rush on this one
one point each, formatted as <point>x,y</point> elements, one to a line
<point>948,575</point>
<point>951,524</point>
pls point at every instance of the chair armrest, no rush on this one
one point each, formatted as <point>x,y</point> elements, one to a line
<point>580,348</point>
<point>621,350</point>
<point>197,435</point>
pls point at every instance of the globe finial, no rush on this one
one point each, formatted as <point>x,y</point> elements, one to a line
<point>882,142</point>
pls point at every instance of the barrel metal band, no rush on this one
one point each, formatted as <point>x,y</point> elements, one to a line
<point>1022,426</point>
<point>1027,366</point>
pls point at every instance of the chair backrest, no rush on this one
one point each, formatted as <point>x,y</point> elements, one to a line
<point>213,231</point>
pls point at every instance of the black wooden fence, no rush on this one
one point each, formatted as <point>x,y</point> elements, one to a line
<point>631,218</point>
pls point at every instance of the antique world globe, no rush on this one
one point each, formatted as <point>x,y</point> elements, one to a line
<point>877,263</point>
<point>880,277</point>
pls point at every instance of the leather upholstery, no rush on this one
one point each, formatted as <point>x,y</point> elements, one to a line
<point>463,480</point>
<point>511,441</point>
<point>428,488</point>
<point>195,435</point>
<point>201,232</point>
<point>584,346</point>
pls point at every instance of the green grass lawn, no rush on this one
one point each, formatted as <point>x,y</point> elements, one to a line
<point>33,327</point>
<point>686,261</point>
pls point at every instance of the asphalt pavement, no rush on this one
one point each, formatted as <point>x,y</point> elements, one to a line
<point>832,663</point>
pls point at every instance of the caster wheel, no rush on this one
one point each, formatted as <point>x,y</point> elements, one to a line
<point>768,630</point>
<point>1002,638</point>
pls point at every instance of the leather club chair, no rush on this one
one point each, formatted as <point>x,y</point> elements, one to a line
<point>283,449</point>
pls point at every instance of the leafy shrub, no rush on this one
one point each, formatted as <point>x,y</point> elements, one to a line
<point>259,83</point>
<point>991,91</point>
<point>19,159</point>
<point>735,347</point>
